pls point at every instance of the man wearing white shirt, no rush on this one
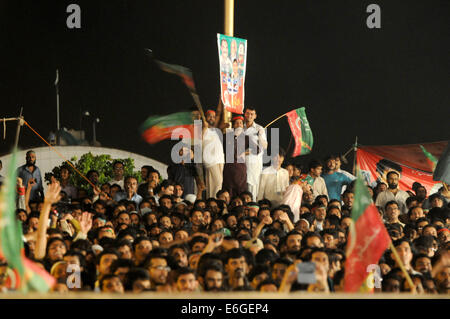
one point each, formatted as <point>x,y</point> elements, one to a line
<point>393,193</point>
<point>213,156</point>
<point>254,163</point>
<point>274,181</point>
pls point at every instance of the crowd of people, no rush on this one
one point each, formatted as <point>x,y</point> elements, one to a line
<point>224,225</point>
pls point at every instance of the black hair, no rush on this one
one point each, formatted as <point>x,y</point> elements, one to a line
<point>133,275</point>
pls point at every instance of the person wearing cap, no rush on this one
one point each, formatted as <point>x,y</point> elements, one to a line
<point>258,142</point>
<point>235,170</point>
<point>274,180</point>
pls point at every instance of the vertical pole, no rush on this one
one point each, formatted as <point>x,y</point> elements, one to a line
<point>19,124</point>
<point>229,30</point>
<point>355,148</point>
<point>57,106</point>
<point>94,137</point>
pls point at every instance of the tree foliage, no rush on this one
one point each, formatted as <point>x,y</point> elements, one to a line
<point>101,163</point>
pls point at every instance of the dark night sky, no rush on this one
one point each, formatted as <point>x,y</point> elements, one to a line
<point>386,86</point>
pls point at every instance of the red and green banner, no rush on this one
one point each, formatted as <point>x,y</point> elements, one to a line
<point>184,73</point>
<point>432,161</point>
<point>367,240</point>
<point>301,131</point>
<point>232,61</point>
<point>27,275</point>
<point>408,160</point>
<point>176,125</point>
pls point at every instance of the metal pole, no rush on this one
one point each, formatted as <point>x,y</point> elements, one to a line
<point>57,106</point>
<point>93,125</point>
<point>355,148</point>
<point>19,124</point>
<point>229,30</point>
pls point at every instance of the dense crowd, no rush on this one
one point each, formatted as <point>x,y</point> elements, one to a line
<point>197,231</point>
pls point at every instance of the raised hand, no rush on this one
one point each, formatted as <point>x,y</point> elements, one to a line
<point>86,222</point>
<point>53,193</point>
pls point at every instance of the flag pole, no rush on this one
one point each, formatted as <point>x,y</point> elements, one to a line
<point>279,117</point>
<point>229,31</point>
<point>402,267</point>
<point>355,149</point>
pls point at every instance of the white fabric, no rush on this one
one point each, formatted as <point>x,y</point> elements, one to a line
<point>293,198</point>
<point>254,163</point>
<point>386,196</point>
<point>212,148</point>
<point>273,184</point>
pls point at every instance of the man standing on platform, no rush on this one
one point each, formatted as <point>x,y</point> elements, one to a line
<point>31,171</point>
<point>333,179</point>
<point>213,155</point>
<point>393,193</point>
<point>254,163</point>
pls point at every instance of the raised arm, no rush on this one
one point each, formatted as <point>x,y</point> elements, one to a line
<point>52,196</point>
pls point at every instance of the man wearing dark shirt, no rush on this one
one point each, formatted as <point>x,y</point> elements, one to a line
<point>31,171</point>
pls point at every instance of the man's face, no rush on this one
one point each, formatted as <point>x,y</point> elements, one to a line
<point>443,279</point>
<point>316,172</point>
<point>329,241</point>
<point>211,118</point>
<point>197,218</point>
<point>112,285</point>
<point>166,202</point>
<point>423,265</point>
<point>416,213</point>
<point>278,271</point>
<point>314,241</point>
<point>166,222</point>
<point>106,232</point>
<point>187,282</point>
<point>236,267</point>
<point>308,197</point>
<point>94,177</point>
<point>122,272</point>
<point>124,219</point>
<point>320,257</point>
<point>105,264</point>
<point>348,199</point>
<point>118,171</point>
<point>404,252</point>
<point>131,185</point>
<point>168,190</point>
<point>65,174</point>
<point>392,212</point>
<point>250,116</point>
<point>278,161</point>
<point>392,180</point>
<point>337,160</point>
<point>436,202</point>
<point>421,192</point>
<point>392,285</point>
<point>140,285</point>
<point>154,177</point>
<point>213,280</point>
<point>331,164</point>
<point>320,213</point>
<point>178,191</point>
<point>430,231</point>
<point>158,271</point>
<point>144,173</point>
<point>165,238</point>
<point>31,159</point>
<point>180,257</point>
<point>56,250</point>
<point>125,252</point>
<point>294,243</point>
<point>181,235</point>
<point>142,249</point>
<point>225,196</point>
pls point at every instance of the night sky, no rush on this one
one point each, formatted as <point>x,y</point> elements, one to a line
<point>386,86</point>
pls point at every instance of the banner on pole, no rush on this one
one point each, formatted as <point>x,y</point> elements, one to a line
<point>232,61</point>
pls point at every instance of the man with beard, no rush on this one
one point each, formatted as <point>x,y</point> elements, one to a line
<point>213,279</point>
<point>334,180</point>
<point>237,269</point>
<point>30,171</point>
<point>320,212</point>
<point>293,244</point>
<point>159,270</point>
<point>213,155</point>
<point>393,193</point>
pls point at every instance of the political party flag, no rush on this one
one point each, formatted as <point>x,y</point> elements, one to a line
<point>301,130</point>
<point>184,73</point>
<point>233,63</point>
<point>28,276</point>
<point>430,158</point>
<point>158,128</point>
<point>367,241</point>
<point>442,170</point>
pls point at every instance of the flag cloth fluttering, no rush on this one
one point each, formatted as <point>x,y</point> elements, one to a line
<point>301,131</point>
<point>157,128</point>
<point>431,159</point>
<point>28,275</point>
<point>367,240</point>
